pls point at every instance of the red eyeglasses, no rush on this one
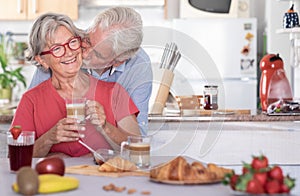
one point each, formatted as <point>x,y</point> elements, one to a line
<point>59,50</point>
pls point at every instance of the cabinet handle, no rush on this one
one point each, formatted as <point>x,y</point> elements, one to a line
<point>34,7</point>
<point>19,6</point>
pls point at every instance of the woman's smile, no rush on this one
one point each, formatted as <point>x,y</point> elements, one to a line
<point>67,62</point>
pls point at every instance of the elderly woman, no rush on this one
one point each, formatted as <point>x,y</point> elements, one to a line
<point>115,55</point>
<point>55,43</point>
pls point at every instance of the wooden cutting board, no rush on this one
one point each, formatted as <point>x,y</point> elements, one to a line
<point>93,171</point>
<point>216,112</point>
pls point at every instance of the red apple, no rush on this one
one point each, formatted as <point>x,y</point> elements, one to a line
<point>51,165</point>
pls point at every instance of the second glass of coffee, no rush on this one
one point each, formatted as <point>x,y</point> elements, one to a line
<point>76,109</point>
<point>138,148</point>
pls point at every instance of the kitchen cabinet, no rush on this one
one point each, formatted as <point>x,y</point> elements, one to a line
<point>31,9</point>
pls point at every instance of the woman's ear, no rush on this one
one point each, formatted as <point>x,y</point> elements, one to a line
<point>41,61</point>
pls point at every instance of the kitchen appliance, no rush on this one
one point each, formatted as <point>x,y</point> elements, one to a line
<point>274,84</point>
<point>232,45</point>
<point>214,8</point>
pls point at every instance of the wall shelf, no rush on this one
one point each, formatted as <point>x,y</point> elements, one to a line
<point>289,30</point>
<point>108,3</point>
<point>294,44</point>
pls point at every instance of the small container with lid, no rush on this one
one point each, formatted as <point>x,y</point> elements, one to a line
<point>210,97</point>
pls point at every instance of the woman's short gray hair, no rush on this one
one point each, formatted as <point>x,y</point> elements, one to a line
<point>124,29</point>
<point>43,30</point>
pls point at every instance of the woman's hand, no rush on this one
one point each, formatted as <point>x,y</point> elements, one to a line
<point>66,130</point>
<point>95,113</point>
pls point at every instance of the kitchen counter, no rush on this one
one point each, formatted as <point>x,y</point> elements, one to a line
<point>89,185</point>
<point>224,117</point>
<point>7,118</point>
<point>223,139</point>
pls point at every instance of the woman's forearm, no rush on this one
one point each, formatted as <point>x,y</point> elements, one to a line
<point>41,147</point>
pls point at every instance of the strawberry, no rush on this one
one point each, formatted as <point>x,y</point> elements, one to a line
<point>284,188</point>
<point>261,177</point>
<point>259,162</point>
<point>288,184</point>
<point>273,186</point>
<point>276,173</point>
<point>246,168</point>
<point>254,187</point>
<point>233,181</point>
<point>16,131</point>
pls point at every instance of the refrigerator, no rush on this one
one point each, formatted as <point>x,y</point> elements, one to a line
<point>232,45</point>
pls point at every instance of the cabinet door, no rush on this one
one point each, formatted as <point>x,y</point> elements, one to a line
<point>38,7</point>
<point>13,9</point>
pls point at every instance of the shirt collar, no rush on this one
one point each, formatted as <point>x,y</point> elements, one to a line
<point>120,68</point>
<point>109,72</point>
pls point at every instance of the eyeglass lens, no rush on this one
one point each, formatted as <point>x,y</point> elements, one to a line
<point>60,50</point>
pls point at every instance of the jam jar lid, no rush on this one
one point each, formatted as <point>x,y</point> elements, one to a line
<point>210,86</point>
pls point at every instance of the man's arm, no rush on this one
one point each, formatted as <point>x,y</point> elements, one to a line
<point>39,77</point>
<point>137,80</point>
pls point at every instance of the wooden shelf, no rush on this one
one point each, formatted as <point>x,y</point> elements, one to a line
<point>289,30</point>
<point>105,3</point>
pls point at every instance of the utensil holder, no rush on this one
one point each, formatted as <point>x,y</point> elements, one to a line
<point>163,92</point>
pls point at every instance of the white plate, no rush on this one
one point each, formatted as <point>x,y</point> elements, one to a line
<point>187,182</point>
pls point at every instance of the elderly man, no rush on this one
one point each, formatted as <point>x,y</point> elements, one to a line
<point>113,54</point>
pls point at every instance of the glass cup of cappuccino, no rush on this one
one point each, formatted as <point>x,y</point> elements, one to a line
<point>138,150</point>
<point>76,109</point>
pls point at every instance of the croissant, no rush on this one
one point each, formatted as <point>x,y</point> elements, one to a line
<point>117,164</point>
<point>219,171</point>
<point>177,169</point>
<point>180,170</point>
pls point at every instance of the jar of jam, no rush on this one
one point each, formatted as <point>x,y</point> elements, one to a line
<point>210,97</point>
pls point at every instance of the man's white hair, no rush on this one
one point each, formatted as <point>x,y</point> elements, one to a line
<point>123,27</point>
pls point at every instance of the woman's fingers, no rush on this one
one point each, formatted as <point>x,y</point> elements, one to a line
<point>67,130</point>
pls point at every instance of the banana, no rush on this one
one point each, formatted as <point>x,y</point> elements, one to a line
<point>52,183</point>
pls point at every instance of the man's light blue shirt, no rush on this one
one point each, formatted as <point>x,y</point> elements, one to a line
<point>135,75</point>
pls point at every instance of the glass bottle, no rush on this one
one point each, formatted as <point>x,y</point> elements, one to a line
<point>210,97</point>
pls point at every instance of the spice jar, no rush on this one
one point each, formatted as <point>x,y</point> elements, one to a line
<point>210,97</point>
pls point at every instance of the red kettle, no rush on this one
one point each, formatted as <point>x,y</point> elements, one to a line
<point>274,84</point>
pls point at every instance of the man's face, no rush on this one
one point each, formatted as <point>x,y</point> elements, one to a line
<point>99,54</point>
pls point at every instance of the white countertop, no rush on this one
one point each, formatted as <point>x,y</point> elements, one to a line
<point>92,185</point>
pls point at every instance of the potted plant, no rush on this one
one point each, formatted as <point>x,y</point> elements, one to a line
<point>8,77</point>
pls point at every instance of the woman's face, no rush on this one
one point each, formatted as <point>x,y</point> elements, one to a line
<point>68,64</point>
